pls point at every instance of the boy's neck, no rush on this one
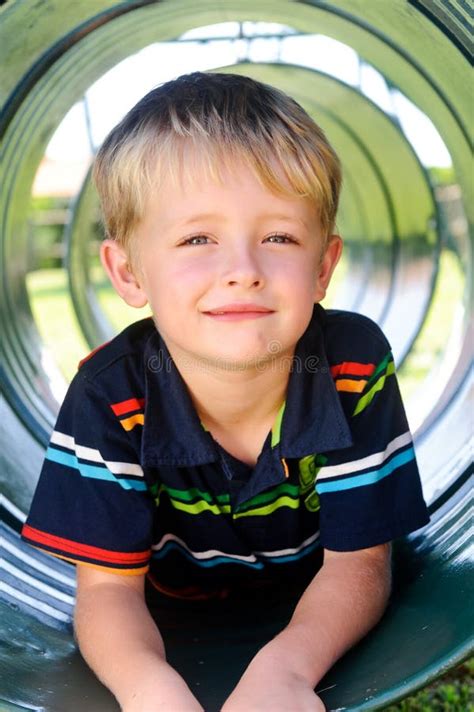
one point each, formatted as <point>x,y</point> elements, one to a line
<point>230,400</point>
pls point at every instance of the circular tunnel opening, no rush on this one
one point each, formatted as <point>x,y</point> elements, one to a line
<point>405,218</point>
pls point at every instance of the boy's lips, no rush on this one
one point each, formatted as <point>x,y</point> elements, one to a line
<point>238,309</point>
<point>235,311</point>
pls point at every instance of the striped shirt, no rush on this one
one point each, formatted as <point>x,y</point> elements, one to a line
<point>133,482</point>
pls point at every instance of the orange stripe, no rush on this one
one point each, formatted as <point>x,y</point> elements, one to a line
<point>93,552</point>
<point>124,572</point>
<point>108,569</point>
<point>353,368</point>
<point>129,423</point>
<point>346,384</point>
<point>127,406</point>
<point>285,467</point>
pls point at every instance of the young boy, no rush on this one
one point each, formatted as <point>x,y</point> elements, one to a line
<point>242,434</point>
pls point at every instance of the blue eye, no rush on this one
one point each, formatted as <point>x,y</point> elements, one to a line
<point>196,240</point>
<point>276,239</point>
<point>279,239</point>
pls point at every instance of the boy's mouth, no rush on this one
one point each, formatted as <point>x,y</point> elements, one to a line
<point>236,311</point>
<point>239,309</point>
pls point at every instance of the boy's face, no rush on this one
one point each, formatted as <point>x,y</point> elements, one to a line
<point>231,272</point>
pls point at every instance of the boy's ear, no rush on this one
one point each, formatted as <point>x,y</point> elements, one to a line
<point>327,266</point>
<point>117,265</point>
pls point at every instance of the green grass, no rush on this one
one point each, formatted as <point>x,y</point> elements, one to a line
<point>446,308</point>
<point>55,319</point>
<point>453,692</point>
<point>53,310</point>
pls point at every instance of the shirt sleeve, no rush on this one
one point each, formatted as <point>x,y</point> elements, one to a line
<point>92,503</point>
<point>371,492</point>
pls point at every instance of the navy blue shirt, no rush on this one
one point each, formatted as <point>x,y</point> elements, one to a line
<point>133,482</point>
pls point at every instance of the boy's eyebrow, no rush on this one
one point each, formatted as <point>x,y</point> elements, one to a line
<point>202,216</point>
<point>283,218</point>
<point>218,216</point>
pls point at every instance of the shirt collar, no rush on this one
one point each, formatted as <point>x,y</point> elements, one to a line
<point>313,418</point>
<point>172,432</point>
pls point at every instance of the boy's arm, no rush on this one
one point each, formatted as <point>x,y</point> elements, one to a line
<point>343,602</point>
<point>120,641</point>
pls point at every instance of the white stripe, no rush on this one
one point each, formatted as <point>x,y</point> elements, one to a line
<point>348,468</point>
<point>93,455</point>
<point>19,574</point>
<point>124,468</point>
<point>62,439</point>
<point>17,513</point>
<point>285,552</point>
<point>34,563</point>
<point>39,605</point>
<point>199,554</point>
<point>211,553</point>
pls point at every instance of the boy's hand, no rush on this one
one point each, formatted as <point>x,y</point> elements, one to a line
<point>352,588</point>
<point>162,691</point>
<point>121,643</point>
<point>265,687</point>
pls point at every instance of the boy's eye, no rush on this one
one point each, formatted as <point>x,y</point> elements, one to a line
<point>196,240</point>
<point>279,238</point>
<point>276,239</point>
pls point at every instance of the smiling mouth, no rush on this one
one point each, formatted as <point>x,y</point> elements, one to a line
<point>239,309</point>
<point>238,312</point>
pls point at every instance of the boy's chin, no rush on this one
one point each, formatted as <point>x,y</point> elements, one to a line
<point>234,362</point>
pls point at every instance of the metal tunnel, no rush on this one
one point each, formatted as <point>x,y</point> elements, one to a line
<point>399,227</point>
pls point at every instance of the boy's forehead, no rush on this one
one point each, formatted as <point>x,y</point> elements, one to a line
<point>196,196</point>
<point>190,199</point>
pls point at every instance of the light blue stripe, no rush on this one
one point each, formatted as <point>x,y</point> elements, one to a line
<point>93,471</point>
<point>205,563</point>
<point>368,478</point>
<point>229,560</point>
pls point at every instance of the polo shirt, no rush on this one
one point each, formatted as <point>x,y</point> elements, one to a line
<point>134,483</point>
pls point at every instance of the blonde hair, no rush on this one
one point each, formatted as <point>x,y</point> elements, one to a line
<point>221,118</point>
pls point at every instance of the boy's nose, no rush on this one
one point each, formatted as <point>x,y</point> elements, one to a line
<point>242,269</point>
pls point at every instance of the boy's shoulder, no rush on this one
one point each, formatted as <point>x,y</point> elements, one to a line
<point>126,351</point>
<point>350,335</point>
